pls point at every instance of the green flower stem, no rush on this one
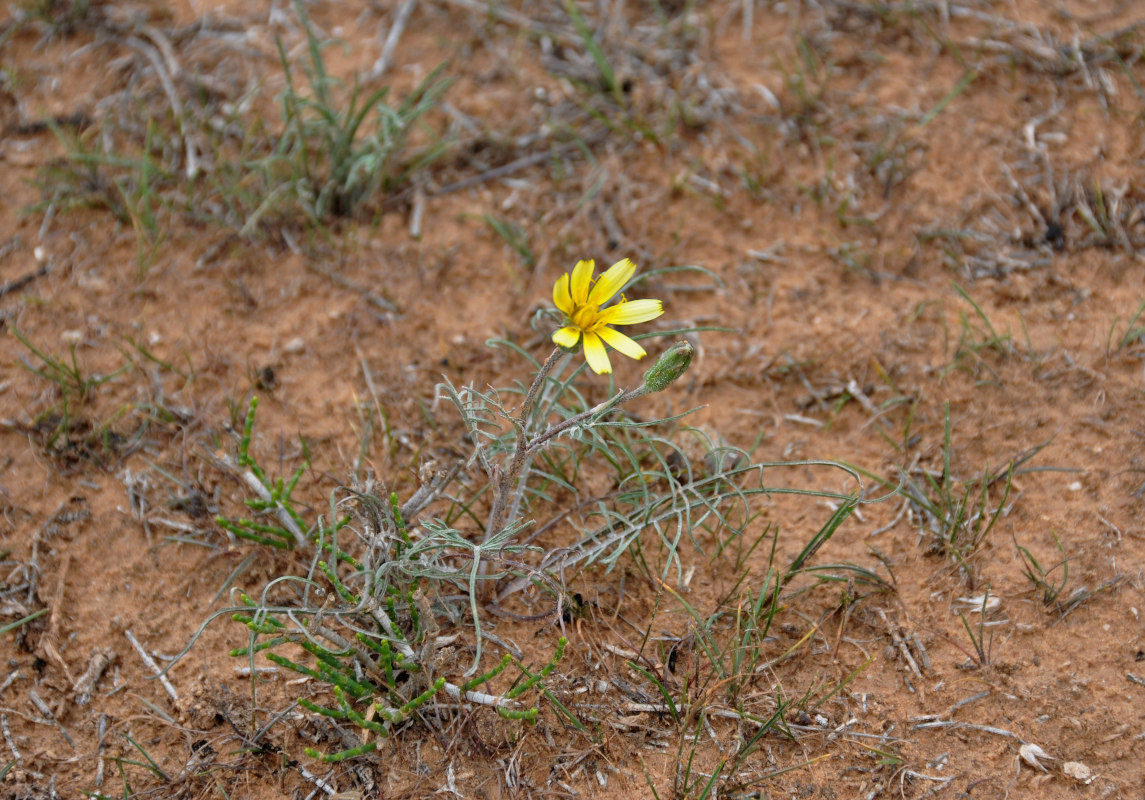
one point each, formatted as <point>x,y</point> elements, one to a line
<point>601,408</point>
<point>527,448</point>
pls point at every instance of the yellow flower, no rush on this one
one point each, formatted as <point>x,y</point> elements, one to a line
<point>581,299</point>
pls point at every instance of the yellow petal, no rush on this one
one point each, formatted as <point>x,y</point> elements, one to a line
<point>561,297</point>
<point>611,282</point>
<point>581,278</point>
<point>631,312</point>
<point>567,336</point>
<point>622,343</point>
<point>596,355</point>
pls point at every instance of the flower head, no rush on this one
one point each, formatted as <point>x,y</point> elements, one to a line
<point>580,298</point>
<point>672,364</point>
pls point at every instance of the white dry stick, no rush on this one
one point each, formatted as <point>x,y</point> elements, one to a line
<point>481,698</point>
<point>8,737</point>
<point>245,672</point>
<point>13,676</point>
<point>102,736</point>
<point>149,661</point>
<point>857,392</point>
<point>152,54</point>
<point>418,212</point>
<point>49,717</point>
<point>401,17</point>
<point>165,47</point>
<point>325,786</point>
<point>100,661</point>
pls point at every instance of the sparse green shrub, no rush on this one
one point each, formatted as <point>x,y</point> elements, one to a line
<point>387,579</point>
<point>337,153</point>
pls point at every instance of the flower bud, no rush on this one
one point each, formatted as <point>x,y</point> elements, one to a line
<point>672,364</point>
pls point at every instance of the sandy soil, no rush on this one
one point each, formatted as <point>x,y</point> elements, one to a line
<point>901,208</point>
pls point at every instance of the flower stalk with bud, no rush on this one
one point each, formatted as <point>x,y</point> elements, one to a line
<point>580,299</point>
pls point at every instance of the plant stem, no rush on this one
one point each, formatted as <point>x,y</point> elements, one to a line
<point>504,483</point>
<point>556,430</point>
<point>527,448</point>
